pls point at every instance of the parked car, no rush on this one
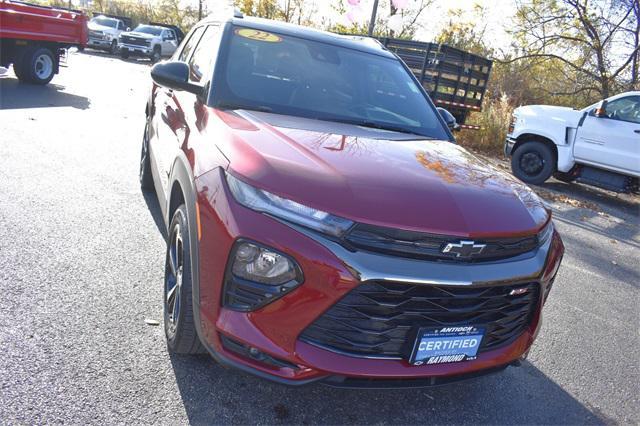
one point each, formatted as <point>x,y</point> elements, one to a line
<point>104,32</point>
<point>33,38</point>
<point>598,145</point>
<point>322,223</point>
<point>153,40</point>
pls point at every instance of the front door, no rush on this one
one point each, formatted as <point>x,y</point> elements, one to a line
<point>612,142</point>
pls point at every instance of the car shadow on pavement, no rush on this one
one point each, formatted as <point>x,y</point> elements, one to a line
<point>212,394</point>
<point>17,95</point>
<point>104,54</point>
<point>156,213</point>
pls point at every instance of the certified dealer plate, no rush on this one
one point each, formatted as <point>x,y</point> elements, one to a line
<point>446,344</point>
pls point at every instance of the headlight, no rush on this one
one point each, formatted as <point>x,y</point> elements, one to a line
<point>291,211</point>
<point>546,233</point>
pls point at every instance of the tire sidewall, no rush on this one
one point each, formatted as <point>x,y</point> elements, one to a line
<point>544,152</point>
<point>113,48</point>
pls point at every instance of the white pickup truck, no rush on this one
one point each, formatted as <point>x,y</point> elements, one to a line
<point>104,32</point>
<point>598,145</point>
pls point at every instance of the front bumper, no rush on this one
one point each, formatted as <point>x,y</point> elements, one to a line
<point>509,143</point>
<point>99,43</point>
<point>135,49</point>
<point>330,272</point>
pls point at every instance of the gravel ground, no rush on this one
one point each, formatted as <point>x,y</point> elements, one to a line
<point>81,261</point>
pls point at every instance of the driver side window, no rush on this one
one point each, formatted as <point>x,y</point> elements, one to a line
<point>624,109</point>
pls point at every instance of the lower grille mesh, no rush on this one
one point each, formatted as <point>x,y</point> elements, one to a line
<point>381,319</point>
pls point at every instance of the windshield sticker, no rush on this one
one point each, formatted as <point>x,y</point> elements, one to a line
<point>258,35</point>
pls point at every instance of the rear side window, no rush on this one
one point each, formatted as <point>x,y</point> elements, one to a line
<point>190,44</point>
<point>204,56</point>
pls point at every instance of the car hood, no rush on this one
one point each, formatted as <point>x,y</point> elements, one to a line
<point>97,27</point>
<point>137,34</point>
<point>378,177</point>
<point>549,112</point>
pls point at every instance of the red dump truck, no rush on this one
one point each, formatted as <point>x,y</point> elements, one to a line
<point>33,38</point>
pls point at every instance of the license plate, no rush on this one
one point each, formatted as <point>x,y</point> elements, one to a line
<point>446,345</point>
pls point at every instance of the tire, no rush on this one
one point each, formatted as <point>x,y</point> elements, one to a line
<point>179,323</point>
<point>113,48</point>
<point>17,70</point>
<point>156,55</point>
<point>37,65</point>
<point>146,179</point>
<point>533,162</point>
<point>124,53</point>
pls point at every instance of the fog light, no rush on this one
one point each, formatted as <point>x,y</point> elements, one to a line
<point>258,275</point>
<point>262,265</point>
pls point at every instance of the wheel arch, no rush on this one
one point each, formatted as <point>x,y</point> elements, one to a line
<point>526,137</point>
<point>183,190</point>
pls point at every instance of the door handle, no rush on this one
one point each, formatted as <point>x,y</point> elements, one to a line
<point>637,131</point>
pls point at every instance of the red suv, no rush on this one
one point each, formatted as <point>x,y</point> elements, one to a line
<point>323,225</point>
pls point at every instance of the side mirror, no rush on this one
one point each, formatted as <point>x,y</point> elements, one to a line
<point>174,75</point>
<point>128,29</point>
<point>601,110</point>
<point>448,118</point>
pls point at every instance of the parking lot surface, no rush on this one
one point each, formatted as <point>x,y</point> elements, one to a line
<point>81,267</point>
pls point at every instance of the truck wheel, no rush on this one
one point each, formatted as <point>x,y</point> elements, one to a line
<point>179,324</point>
<point>113,49</point>
<point>124,53</point>
<point>156,55</point>
<point>533,162</point>
<point>37,66</point>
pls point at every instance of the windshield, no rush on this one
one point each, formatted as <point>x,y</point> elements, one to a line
<point>105,22</point>
<point>148,29</point>
<point>294,76</point>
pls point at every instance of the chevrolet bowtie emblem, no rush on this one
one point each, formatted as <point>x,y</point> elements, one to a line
<point>464,248</point>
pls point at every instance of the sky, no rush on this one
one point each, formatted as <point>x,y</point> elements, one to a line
<point>435,17</point>
<point>432,20</point>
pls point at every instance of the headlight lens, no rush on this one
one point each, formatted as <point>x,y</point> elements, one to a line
<point>266,202</point>
<point>546,233</point>
<point>262,265</point>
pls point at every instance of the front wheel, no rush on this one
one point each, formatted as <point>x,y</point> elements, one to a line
<point>156,55</point>
<point>113,48</point>
<point>124,53</point>
<point>533,162</point>
<point>179,323</point>
<point>146,180</point>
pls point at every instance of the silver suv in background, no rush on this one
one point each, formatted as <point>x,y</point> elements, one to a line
<point>104,32</point>
<point>152,40</point>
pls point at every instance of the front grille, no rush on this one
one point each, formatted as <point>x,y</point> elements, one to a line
<point>422,245</point>
<point>382,319</point>
<point>135,41</point>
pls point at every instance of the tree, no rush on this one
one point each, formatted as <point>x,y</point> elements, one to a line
<point>587,39</point>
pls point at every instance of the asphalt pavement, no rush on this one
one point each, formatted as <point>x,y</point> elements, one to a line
<point>81,267</point>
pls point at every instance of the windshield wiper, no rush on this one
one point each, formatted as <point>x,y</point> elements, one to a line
<point>374,125</point>
<point>228,105</point>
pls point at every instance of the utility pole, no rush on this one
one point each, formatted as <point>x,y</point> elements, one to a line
<point>199,10</point>
<point>372,22</point>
